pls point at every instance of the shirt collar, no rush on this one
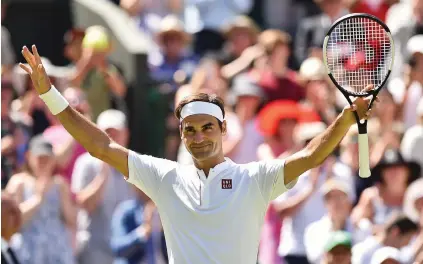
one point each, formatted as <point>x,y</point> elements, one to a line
<point>216,170</point>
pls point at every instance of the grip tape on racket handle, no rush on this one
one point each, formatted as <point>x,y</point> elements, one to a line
<point>363,156</point>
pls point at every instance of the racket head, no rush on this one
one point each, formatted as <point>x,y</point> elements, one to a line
<point>358,50</point>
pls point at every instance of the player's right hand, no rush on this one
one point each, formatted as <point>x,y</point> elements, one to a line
<point>35,70</point>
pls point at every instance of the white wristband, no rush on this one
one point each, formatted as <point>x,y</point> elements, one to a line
<point>54,100</point>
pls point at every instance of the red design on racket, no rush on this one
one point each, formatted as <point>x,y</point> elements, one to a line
<point>358,51</point>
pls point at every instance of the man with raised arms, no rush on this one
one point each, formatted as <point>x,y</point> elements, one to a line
<point>212,211</point>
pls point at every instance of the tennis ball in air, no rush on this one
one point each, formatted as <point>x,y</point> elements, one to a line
<point>96,38</point>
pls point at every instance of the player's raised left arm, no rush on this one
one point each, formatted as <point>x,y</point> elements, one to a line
<point>323,145</point>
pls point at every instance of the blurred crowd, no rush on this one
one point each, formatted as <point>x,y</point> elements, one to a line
<point>74,208</point>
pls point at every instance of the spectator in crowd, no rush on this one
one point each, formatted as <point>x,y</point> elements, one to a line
<point>65,147</point>
<point>136,232</point>
<point>413,208</point>
<point>412,142</point>
<point>173,41</point>
<point>213,16</point>
<point>376,8</point>
<point>149,13</point>
<point>271,233</point>
<point>73,45</point>
<point>338,248</point>
<point>393,175</point>
<point>318,94</point>
<point>8,59</point>
<point>275,78</point>
<point>278,120</point>
<point>240,34</point>
<point>8,134</point>
<point>387,255</point>
<point>94,74</point>
<point>312,30</point>
<point>11,220</point>
<point>99,190</point>
<point>338,198</point>
<point>397,232</point>
<point>47,209</point>
<point>403,32</point>
<point>248,98</point>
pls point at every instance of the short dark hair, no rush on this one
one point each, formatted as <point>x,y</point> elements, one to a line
<point>200,97</point>
<point>404,224</point>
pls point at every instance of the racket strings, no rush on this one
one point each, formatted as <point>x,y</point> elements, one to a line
<point>359,53</point>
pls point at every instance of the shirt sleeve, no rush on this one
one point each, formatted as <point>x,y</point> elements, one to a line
<point>271,179</point>
<point>147,172</point>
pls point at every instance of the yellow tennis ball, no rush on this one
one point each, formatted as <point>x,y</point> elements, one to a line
<point>96,38</point>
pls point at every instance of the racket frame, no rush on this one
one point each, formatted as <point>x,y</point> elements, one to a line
<point>362,126</point>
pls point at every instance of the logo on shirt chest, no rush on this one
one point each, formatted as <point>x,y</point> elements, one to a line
<point>226,183</point>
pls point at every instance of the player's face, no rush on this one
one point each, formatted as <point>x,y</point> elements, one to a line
<point>202,136</point>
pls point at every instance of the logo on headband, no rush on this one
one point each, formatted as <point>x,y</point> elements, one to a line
<point>226,183</point>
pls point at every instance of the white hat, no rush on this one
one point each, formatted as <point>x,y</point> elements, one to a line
<point>413,193</point>
<point>111,119</point>
<point>339,185</point>
<point>415,44</point>
<point>386,253</point>
<point>307,131</point>
<point>313,69</point>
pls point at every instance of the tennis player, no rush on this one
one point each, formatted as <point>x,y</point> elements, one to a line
<point>212,211</point>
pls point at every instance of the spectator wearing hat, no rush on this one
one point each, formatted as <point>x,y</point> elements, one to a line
<point>240,34</point>
<point>397,233</point>
<point>95,75</point>
<point>277,121</point>
<point>338,198</point>
<point>412,142</point>
<point>274,76</point>
<point>99,189</point>
<point>338,248</point>
<point>247,98</point>
<point>174,56</point>
<point>301,206</point>
<point>392,175</point>
<point>48,210</point>
<point>319,95</point>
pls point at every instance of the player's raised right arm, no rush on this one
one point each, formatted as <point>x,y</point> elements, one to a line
<point>94,140</point>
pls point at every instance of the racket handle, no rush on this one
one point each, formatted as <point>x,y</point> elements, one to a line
<point>363,156</point>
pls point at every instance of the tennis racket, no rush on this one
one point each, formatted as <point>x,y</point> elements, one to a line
<point>358,50</point>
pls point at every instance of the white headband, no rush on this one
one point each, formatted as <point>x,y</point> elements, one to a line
<point>199,107</point>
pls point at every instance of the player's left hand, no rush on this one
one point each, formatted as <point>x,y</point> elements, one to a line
<point>361,106</point>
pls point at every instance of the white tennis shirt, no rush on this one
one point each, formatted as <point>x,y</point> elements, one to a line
<point>217,219</point>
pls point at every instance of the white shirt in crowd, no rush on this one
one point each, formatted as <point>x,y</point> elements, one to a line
<point>317,234</point>
<point>362,253</point>
<point>216,219</point>
<point>293,228</point>
<point>4,251</point>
